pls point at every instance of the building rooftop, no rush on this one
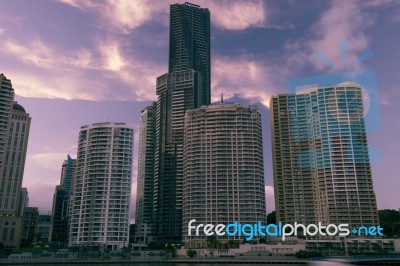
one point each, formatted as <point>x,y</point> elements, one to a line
<point>18,107</point>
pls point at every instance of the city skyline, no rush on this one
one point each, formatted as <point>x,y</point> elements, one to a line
<point>243,69</point>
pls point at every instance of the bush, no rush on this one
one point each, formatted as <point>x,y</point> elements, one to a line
<point>191,253</point>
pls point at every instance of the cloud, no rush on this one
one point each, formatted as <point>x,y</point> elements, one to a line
<point>56,86</point>
<point>2,30</point>
<point>81,74</point>
<point>378,3</point>
<point>48,161</point>
<point>112,57</point>
<point>395,17</point>
<point>237,15</point>
<point>245,77</point>
<point>343,20</point>
<point>127,15</point>
<point>36,53</point>
<point>123,15</point>
<point>269,199</point>
<point>41,195</point>
<point>132,215</point>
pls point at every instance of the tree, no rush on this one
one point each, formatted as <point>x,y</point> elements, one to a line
<point>271,218</point>
<point>262,240</point>
<point>232,244</point>
<point>389,220</point>
<point>156,245</point>
<point>212,242</point>
<point>191,253</point>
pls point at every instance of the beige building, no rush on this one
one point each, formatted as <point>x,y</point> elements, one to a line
<point>322,171</point>
<point>223,173</point>
<point>14,133</point>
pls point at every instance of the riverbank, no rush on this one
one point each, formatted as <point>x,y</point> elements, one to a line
<point>202,261</point>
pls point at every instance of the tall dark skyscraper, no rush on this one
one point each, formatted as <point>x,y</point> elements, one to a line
<point>145,180</point>
<point>185,86</point>
<point>189,44</point>
<point>61,203</point>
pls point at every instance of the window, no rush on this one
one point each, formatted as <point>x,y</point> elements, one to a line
<point>5,232</point>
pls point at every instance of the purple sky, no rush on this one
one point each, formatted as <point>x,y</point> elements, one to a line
<point>76,62</point>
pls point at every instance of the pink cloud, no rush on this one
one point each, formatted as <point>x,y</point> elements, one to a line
<point>126,15</point>
<point>237,15</point>
<point>343,21</point>
<point>269,199</point>
<point>246,77</point>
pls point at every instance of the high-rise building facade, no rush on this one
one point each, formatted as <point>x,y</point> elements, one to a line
<point>44,229</point>
<point>189,44</point>
<point>15,125</point>
<point>6,106</point>
<point>145,177</point>
<point>185,86</point>
<point>23,201</point>
<point>29,225</point>
<point>102,189</point>
<point>60,217</point>
<point>223,169</point>
<point>61,203</point>
<point>322,170</point>
<point>67,173</point>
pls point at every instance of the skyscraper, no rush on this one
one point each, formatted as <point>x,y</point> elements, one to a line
<point>223,169</point>
<point>14,133</point>
<point>322,170</point>
<point>67,173</point>
<point>29,225</point>
<point>189,44</point>
<point>145,177</point>
<point>61,203</point>
<point>60,217</point>
<point>6,106</point>
<point>185,86</point>
<point>23,201</point>
<point>102,190</point>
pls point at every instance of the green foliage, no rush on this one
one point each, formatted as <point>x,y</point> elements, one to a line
<point>26,244</point>
<point>271,218</point>
<point>170,247</point>
<point>212,241</point>
<point>73,249</point>
<point>302,254</point>
<point>232,244</point>
<point>389,220</point>
<point>262,240</point>
<point>156,245</point>
<point>191,253</point>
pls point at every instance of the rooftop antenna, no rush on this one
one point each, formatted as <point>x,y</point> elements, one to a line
<point>222,97</point>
